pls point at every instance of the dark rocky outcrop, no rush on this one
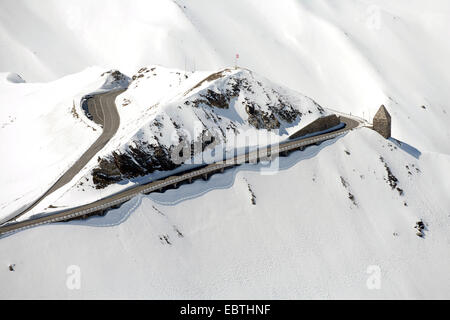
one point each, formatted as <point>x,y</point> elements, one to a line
<point>139,159</point>
<point>217,100</point>
<point>391,179</point>
<point>261,119</point>
<point>382,122</point>
<point>115,80</point>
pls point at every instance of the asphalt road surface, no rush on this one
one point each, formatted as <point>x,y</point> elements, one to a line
<point>103,109</point>
<point>173,181</point>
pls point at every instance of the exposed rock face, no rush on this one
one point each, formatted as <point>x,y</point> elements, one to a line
<point>218,100</point>
<point>139,160</point>
<point>114,80</point>
<point>382,122</point>
<point>262,120</point>
<point>279,108</point>
<point>323,123</point>
<point>15,78</point>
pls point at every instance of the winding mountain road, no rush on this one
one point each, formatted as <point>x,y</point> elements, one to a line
<point>103,109</point>
<point>99,206</point>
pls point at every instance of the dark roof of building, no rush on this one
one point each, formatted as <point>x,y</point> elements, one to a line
<point>382,113</point>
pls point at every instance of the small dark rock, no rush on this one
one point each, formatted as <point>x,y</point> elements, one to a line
<point>420,227</point>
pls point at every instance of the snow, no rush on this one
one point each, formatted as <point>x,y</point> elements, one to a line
<point>159,108</point>
<point>13,78</point>
<point>289,245</point>
<point>162,95</point>
<point>318,225</point>
<point>43,131</point>
<point>351,56</point>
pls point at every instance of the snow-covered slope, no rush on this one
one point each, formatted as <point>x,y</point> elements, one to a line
<point>322,228</point>
<point>164,111</point>
<point>319,229</point>
<point>349,55</point>
<point>43,131</point>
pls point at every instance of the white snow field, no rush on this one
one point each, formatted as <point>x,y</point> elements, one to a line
<point>339,220</point>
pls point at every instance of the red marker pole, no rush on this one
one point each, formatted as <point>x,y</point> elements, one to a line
<point>235,60</point>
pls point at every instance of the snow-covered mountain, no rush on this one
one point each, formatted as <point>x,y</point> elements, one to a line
<point>163,109</point>
<point>322,227</point>
<point>213,114</point>
<point>334,216</point>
